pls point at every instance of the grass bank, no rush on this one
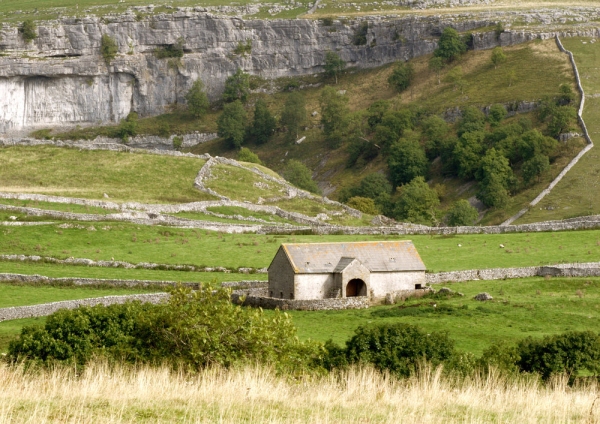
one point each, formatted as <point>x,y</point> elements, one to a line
<point>102,394</point>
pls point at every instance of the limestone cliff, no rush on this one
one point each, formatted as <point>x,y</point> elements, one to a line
<point>60,78</point>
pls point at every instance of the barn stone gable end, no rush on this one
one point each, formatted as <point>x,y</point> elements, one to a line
<point>282,276</point>
<point>351,278</point>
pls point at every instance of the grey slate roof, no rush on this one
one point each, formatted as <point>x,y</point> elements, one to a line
<point>342,264</point>
<point>377,256</point>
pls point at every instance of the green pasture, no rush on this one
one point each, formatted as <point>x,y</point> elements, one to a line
<point>55,206</point>
<point>124,177</point>
<point>134,244</point>
<point>525,307</point>
<point>76,271</point>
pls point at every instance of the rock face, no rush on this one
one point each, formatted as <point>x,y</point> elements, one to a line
<point>61,79</point>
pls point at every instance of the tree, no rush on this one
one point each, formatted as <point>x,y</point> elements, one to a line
<point>28,30</point>
<point>401,76</point>
<point>462,213</point>
<point>231,125</point>
<point>376,112</point>
<point>567,95</point>
<point>436,64</point>
<point>363,204</point>
<point>454,77</point>
<point>128,127</point>
<point>561,120</point>
<point>495,177</point>
<point>334,65</point>
<point>237,87</point>
<point>247,155</point>
<point>372,186</point>
<point>535,167</point>
<point>418,202</point>
<point>533,143</point>
<point>197,100</point>
<point>293,116</point>
<point>435,130</point>
<point>467,153</point>
<point>407,160</point>
<point>334,115</point>
<point>263,123</point>
<point>498,57</point>
<point>512,77</point>
<point>300,176</point>
<point>450,46</point>
<point>496,114</point>
<point>472,120</point>
<point>108,48</point>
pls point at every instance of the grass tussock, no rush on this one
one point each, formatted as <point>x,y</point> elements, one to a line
<point>105,394</point>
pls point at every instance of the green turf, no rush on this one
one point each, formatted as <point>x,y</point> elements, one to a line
<point>26,294</point>
<point>135,244</point>
<point>526,307</point>
<point>58,271</point>
<point>234,210</point>
<point>54,206</point>
<point>576,194</point>
<point>90,174</point>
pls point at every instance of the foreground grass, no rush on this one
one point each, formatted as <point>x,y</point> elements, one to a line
<point>165,245</point>
<point>521,308</point>
<point>576,195</point>
<point>101,394</point>
<point>124,177</point>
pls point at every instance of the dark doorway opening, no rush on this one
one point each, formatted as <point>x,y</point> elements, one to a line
<point>356,287</point>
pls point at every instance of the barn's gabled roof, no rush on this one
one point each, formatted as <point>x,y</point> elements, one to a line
<point>377,256</point>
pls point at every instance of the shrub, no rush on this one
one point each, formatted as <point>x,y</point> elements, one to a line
<point>128,127</point>
<point>263,124</point>
<point>293,116</point>
<point>300,176</point>
<point>418,202</point>
<point>247,155</point>
<point>496,114</point>
<point>363,204</point>
<point>193,330</point>
<point>170,50</point>
<point>450,46</point>
<point>177,142</point>
<point>243,48</point>
<point>564,353</point>
<point>407,160</point>
<point>28,30</point>
<point>360,36</point>
<point>398,348</point>
<point>108,48</point>
<point>498,56</point>
<point>334,65</point>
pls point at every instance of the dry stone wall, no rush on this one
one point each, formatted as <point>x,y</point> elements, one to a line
<point>45,309</point>
<point>40,279</point>
<point>258,297</point>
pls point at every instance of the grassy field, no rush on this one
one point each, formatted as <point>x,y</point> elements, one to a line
<point>90,174</point>
<point>576,194</point>
<point>525,307</point>
<point>24,294</point>
<point>54,206</point>
<point>105,394</point>
<point>135,244</point>
<point>58,271</point>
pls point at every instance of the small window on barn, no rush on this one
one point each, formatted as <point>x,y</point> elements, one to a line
<point>271,293</point>
<point>291,295</point>
<point>418,287</point>
<point>307,263</point>
<point>281,295</point>
<point>392,259</point>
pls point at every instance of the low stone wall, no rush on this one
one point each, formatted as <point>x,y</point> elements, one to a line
<point>41,279</point>
<point>45,309</point>
<point>257,297</point>
<point>245,284</point>
<point>591,269</point>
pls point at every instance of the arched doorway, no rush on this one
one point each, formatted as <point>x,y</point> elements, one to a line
<point>356,287</point>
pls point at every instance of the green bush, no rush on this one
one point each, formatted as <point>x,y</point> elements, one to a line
<point>193,330</point>
<point>231,124</point>
<point>397,348</point>
<point>128,127</point>
<point>28,30</point>
<point>450,46</point>
<point>363,204</point>
<point>462,213</point>
<point>401,76</point>
<point>263,125</point>
<point>108,48</point>
<point>247,155</point>
<point>360,36</point>
<point>177,142</point>
<point>237,87</point>
<point>171,50</point>
<point>243,48</point>
<point>197,100</point>
<point>300,176</point>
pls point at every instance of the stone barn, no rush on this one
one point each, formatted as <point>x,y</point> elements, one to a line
<point>306,271</point>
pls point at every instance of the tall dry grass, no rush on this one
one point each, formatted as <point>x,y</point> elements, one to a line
<point>102,394</point>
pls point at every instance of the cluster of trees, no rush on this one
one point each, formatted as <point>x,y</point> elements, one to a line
<point>198,329</point>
